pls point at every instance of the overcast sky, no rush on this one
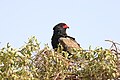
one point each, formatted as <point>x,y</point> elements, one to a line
<point>90,21</point>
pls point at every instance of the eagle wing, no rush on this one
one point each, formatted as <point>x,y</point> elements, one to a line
<point>68,43</point>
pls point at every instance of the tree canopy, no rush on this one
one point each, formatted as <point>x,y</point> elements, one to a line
<point>47,64</point>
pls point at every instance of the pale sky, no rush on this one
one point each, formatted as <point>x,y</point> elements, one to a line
<point>90,21</point>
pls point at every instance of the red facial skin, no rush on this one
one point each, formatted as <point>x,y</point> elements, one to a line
<point>65,26</point>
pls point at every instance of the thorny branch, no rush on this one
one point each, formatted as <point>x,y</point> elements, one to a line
<point>114,47</point>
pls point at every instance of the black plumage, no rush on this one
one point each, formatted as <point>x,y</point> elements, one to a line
<point>59,31</point>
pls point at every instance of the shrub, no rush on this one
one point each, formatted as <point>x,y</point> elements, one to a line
<point>47,64</point>
<point>17,64</point>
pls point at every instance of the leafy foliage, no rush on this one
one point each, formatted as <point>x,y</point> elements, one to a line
<point>47,64</point>
<point>17,64</point>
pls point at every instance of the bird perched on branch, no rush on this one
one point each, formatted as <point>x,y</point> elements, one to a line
<point>60,37</point>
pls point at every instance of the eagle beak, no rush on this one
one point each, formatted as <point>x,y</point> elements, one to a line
<point>65,26</point>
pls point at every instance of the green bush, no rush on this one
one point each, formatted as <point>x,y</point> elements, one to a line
<point>47,64</point>
<point>17,64</point>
